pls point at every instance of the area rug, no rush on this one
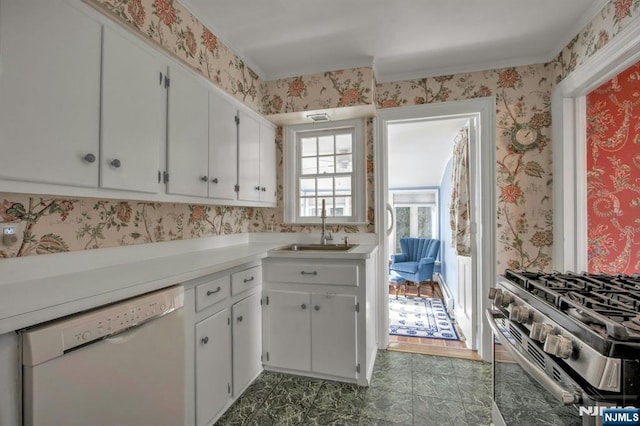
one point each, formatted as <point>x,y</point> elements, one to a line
<point>420,317</point>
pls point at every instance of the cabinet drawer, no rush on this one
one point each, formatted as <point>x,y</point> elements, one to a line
<point>244,280</point>
<point>212,292</point>
<point>313,273</point>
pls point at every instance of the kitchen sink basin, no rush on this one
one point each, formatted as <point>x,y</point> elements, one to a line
<point>318,247</point>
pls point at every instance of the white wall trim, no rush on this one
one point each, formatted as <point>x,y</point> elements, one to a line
<point>568,108</point>
<point>483,193</point>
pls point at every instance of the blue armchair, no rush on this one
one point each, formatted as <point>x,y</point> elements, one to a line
<point>417,260</point>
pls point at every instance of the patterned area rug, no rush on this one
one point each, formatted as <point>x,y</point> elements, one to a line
<point>420,317</point>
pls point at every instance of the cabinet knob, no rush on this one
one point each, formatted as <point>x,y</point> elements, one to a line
<point>304,306</point>
<point>210,292</point>
<point>257,188</point>
<point>317,307</point>
<point>214,180</point>
<point>89,158</point>
<point>240,318</point>
<point>264,189</point>
<point>205,340</point>
<point>116,163</point>
<point>204,178</point>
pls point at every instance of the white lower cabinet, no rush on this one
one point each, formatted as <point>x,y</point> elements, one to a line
<point>225,340</point>
<point>213,358</point>
<point>312,332</point>
<point>247,341</point>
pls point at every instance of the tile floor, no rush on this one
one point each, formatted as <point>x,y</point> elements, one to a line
<point>406,389</point>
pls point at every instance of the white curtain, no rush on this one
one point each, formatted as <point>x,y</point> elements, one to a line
<point>460,209</point>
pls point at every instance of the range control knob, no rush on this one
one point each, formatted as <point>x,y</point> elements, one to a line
<point>519,314</point>
<point>540,331</point>
<point>503,299</point>
<point>559,346</point>
<point>493,292</point>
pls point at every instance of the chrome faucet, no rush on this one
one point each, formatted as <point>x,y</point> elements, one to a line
<point>324,236</point>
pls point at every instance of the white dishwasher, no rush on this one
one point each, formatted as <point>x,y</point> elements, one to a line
<point>122,364</point>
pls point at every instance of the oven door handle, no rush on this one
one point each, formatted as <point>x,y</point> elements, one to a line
<point>566,396</point>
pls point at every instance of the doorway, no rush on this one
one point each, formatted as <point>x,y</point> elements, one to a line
<point>480,114</point>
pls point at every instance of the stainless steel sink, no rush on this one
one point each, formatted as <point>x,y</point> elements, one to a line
<point>318,247</point>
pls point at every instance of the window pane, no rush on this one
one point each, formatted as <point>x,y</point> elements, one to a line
<point>308,147</point>
<point>343,163</point>
<point>307,207</point>
<point>403,226</point>
<point>326,164</point>
<point>325,186</point>
<point>343,206</point>
<point>307,187</point>
<point>425,221</point>
<point>309,166</point>
<point>343,144</point>
<point>325,145</point>
<point>343,186</point>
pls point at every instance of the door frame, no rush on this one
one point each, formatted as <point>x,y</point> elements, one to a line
<point>569,109</point>
<point>483,196</point>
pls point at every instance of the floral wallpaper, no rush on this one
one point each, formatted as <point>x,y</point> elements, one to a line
<point>613,164</point>
<point>524,181</point>
<point>335,89</point>
<point>173,27</point>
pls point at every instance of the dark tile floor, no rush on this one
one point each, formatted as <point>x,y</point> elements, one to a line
<point>406,389</point>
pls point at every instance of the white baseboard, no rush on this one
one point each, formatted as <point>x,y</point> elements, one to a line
<point>446,292</point>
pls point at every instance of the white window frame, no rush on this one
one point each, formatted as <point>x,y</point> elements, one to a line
<point>291,196</point>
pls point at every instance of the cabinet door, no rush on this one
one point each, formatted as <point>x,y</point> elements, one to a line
<point>248,158</point>
<point>247,341</point>
<point>288,329</point>
<point>333,331</point>
<point>49,92</point>
<point>188,134</point>
<point>213,366</point>
<point>223,148</point>
<point>268,186</point>
<point>133,115</point>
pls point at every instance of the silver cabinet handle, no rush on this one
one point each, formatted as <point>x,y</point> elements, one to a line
<point>205,340</point>
<point>304,306</point>
<point>317,307</point>
<point>309,273</point>
<point>214,180</point>
<point>240,318</point>
<point>567,397</point>
<point>246,280</point>
<point>115,163</point>
<point>210,292</point>
<point>204,178</point>
<point>89,158</point>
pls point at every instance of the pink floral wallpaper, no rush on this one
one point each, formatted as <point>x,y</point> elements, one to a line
<point>613,164</point>
<point>524,181</point>
<point>335,89</point>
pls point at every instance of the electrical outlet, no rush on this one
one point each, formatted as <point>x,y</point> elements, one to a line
<point>9,234</point>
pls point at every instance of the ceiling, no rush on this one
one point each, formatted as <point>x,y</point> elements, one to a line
<point>400,39</point>
<point>418,151</point>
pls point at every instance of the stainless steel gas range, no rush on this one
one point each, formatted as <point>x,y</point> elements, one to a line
<point>567,345</point>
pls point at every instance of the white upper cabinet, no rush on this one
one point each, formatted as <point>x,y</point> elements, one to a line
<point>133,114</point>
<point>249,158</point>
<point>223,147</point>
<point>188,134</point>
<point>268,189</point>
<point>257,160</point>
<point>49,93</point>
